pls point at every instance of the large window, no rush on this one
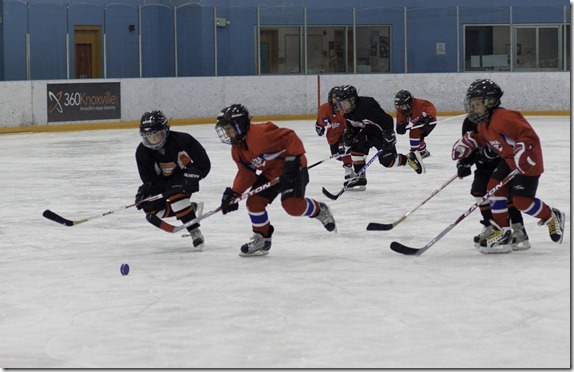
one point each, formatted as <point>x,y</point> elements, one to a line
<point>329,50</point>
<point>534,48</point>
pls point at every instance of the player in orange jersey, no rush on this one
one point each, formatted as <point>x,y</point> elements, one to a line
<point>262,153</point>
<point>509,134</point>
<point>332,122</point>
<point>413,112</point>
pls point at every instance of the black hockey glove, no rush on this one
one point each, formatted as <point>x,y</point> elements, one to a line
<point>145,191</point>
<point>462,169</point>
<point>227,204</point>
<point>428,127</point>
<point>401,128</point>
<point>191,177</point>
<point>389,140</point>
<point>320,129</point>
<point>349,137</point>
<point>294,179</point>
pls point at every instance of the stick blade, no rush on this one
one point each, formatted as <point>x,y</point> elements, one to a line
<point>57,218</point>
<point>159,223</point>
<point>374,226</point>
<point>331,196</point>
<point>403,249</point>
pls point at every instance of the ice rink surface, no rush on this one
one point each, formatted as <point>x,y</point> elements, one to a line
<point>318,300</point>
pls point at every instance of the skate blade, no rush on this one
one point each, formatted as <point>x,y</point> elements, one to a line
<point>357,188</point>
<point>254,254</point>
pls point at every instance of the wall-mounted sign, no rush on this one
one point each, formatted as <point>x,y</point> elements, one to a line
<point>83,101</point>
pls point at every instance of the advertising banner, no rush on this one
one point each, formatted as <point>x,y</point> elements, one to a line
<point>84,101</point>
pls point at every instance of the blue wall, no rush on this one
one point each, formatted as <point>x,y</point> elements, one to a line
<point>48,23</point>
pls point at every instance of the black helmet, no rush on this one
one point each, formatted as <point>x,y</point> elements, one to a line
<point>333,97</point>
<point>232,124</point>
<point>154,129</point>
<point>404,97</point>
<point>346,93</point>
<point>489,93</point>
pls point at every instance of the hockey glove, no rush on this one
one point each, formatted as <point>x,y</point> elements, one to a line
<point>191,177</point>
<point>401,128</point>
<point>343,150</point>
<point>522,157</point>
<point>464,146</point>
<point>227,204</point>
<point>389,140</point>
<point>294,179</point>
<point>320,129</point>
<point>428,127</point>
<point>349,137</point>
<point>145,191</point>
<point>462,169</point>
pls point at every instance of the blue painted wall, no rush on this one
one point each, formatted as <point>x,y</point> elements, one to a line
<point>48,22</point>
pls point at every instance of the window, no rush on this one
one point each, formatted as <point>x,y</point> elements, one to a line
<point>538,48</point>
<point>487,48</point>
<point>329,50</point>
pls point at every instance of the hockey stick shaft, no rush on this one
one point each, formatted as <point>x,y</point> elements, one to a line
<point>400,248</point>
<point>389,226</point>
<point>329,158</point>
<point>346,186</point>
<point>435,122</point>
<point>158,222</point>
<point>64,221</point>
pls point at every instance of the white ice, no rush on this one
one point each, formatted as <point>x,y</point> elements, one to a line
<point>318,300</point>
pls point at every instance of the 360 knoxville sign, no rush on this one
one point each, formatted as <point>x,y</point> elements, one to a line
<point>84,101</point>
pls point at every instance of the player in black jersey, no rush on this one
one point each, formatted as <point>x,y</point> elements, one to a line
<point>368,125</point>
<point>486,161</point>
<point>170,163</point>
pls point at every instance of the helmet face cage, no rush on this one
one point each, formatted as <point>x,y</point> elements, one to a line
<point>482,97</point>
<point>346,97</point>
<point>232,124</point>
<point>404,97</point>
<point>154,129</point>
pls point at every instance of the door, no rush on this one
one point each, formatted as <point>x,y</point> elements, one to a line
<point>87,52</point>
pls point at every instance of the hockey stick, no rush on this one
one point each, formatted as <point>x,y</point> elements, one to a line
<point>373,226</point>
<point>329,158</point>
<point>64,221</point>
<point>401,248</point>
<point>346,186</point>
<point>158,222</point>
<point>434,122</point>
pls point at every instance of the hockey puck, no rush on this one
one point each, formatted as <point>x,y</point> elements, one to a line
<point>125,269</point>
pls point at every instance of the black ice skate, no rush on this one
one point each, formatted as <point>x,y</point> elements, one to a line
<point>326,217</point>
<point>258,246</point>
<point>519,237</point>
<point>555,225</point>
<point>357,184</point>
<point>415,161</point>
<point>499,241</point>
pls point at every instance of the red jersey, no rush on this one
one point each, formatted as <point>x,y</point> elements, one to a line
<point>420,106</point>
<point>505,128</point>
<point>334,121</point>
<point>264,149</point>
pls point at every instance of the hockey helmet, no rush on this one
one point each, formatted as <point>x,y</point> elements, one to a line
<point>404,98</point>
<point>482,98</point>
<point>232,124</point>
<point>346,97</point>
<point>154,129</point>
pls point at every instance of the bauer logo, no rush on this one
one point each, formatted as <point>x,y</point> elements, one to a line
<point>83,101</point>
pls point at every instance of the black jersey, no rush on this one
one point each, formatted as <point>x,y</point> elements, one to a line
<point>369,117</point>
<point>180,150</point>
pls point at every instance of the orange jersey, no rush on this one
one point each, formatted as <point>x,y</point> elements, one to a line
<point>264,149</point>
<point>335,122</point>
<point>420,106</point>
<point>505,128</point>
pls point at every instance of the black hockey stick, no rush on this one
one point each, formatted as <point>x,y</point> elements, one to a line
<point>66,222</point>
<point>401,248</point>
<point>329,158</point>
<point>434,122</point>
<point>374,226</point>
<point>348,182</point>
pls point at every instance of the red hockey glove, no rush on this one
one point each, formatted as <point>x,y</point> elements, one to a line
<point>464,146</point>
<point>522,157</point>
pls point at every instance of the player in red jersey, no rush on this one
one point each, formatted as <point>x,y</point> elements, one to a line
<point>262,153</point>
<point>411,112</point>
<point>509,134</point>
<point>332,123</point>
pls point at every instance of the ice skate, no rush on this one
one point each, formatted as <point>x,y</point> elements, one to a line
<point>258,246</point>
<point>486,231</point>
<point>425,154</point>
<point>555,225</point>
<point>519,237</point>
<point>326,217</point>
<point>197,208</point>
<point>499,241</point>
<point>349,172</point>
<point>197,238</point>
<point>415,161</point>
<point>357,184</point>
